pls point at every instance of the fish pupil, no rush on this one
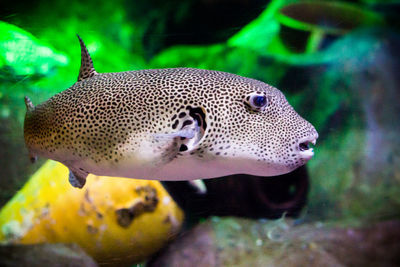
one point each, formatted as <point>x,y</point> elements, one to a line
<point>260,101</point>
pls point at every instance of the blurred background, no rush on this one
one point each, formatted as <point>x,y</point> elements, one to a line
<point>337,62</point>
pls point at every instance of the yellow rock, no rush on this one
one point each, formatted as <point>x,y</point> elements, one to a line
<point>115,220</point>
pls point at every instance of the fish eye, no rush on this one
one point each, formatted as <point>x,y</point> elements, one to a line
<point>257,101</point>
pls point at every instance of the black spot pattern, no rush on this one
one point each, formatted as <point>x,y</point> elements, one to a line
<point>105,117</point>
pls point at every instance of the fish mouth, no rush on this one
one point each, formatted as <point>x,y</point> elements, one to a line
<point>306,152</point>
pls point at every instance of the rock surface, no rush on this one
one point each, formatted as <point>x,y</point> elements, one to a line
<point>118,222</point>
<point>41,255</point>
<point>243,195</point>
<point>242,242</point>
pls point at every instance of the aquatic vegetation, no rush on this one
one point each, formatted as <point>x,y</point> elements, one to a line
<point>23,60</point>
<point>24,55</point>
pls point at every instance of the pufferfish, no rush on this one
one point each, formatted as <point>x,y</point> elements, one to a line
<point>168,124</point>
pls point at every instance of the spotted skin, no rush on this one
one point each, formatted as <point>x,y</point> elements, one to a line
<point>113,124</point>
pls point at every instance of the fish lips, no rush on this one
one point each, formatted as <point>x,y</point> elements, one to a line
<point>305,151</point>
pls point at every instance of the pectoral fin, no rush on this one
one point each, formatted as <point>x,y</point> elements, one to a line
<point>77,179</point>
<point>188,131</point>
<point>199,185</point>
<point>190,126</point>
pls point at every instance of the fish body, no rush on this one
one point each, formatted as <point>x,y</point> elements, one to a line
<point>168,124</point>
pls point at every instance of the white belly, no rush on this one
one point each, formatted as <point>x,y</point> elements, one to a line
<point>190,168</point>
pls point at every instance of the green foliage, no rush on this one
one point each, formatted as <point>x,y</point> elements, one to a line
<point>21,54</point>
<point>24,61</point>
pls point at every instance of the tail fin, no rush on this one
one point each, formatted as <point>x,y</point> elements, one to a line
<point>29,108</point>
<point>28,104</point>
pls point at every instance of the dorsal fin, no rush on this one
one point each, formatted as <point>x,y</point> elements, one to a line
<point>87,70</point>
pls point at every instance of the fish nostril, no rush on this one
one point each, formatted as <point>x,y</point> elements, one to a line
<point>304,146</point>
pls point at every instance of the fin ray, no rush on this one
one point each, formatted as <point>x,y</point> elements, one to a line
<point>186,132</point>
